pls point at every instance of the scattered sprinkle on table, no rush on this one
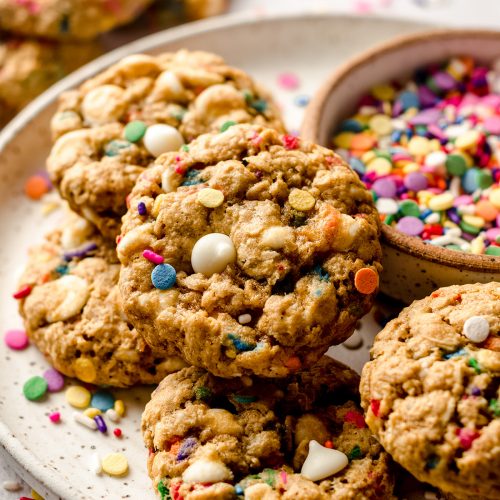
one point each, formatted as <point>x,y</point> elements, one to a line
<point>16,339</point>
<point>103,400</point>
<point>55,381</point>
<point>77,396</point>
<point>115,464</point>
<point>429,150</point>
<point>35,388</point>
<point>36,186</point>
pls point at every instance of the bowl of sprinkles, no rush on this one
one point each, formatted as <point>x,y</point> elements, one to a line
<point>418,119</point>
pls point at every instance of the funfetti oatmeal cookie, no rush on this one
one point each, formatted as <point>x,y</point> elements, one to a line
<point>28,67</point>
<point>303,437</point>
<point>431,392</point>
<point>67,19</point>
<point>73,313</point>
<point>114,126</point>
<point>261,251</point>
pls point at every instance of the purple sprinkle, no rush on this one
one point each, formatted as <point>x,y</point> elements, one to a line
<point>444,80</point>
<point>385,188</point>
<point>426,117</point>
<point>412,226</point>
<point>416,181</point>
<point>187,447</point>
<point>55,381</point>
<point>101,424</point>
<point>475,391</point>
<point>427,97</point>
<point>80,252</point>
<point>454,217</point>
<point>141,208</point>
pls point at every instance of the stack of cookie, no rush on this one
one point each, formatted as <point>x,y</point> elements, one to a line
<point>245,253</point>
<point>42,41</point>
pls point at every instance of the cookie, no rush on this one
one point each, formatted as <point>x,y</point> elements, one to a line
<point>109,129</point>
<point>212,438</point>
<point>199,9</point>
<point>73,313</point>
<point>271,245</point>
<point>28,67</point>
<point>67,19</point>
<point>431,391</point>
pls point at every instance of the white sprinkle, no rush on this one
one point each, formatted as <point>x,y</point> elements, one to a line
<point>84,420</point>
<point>466,209</point>
<point>95,465</point>
<point>455,185</point>
<point>432,218</point>
<point>435,159</point>
<point>244,319</point>
<point>354,341</point>
<point>112,415</point>
<point>476,329</point>
<point>387,206</point>
<point>12,485</point>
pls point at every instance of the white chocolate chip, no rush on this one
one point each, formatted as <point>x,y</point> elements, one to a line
<point>170,180</point>
<point>476,329</point>
<point>212,253</point>
<point>167,85</point>
<point>354,341</point>
<point>74,235</point>
<point>137,239</point>
<point>243,319</point>
<point>137,65</point>
<point>161,138</point>
<point>67,296</point>
<point>322,462</point>
<point>206,471</point>
<point>104,104</point>
<point>277,236</point>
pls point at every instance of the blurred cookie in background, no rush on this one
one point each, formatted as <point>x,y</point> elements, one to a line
<point>29,66</point>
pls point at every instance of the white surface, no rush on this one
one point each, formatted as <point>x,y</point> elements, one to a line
<point>58,457</point>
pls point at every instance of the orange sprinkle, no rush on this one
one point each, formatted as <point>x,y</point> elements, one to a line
<point>293,364</point>
<point>328,444</point>
<point>36,186</point>
<point>363,141</point>
<point>492,343</point>
<point>486,210</point>
<point>435,294</point>
<point>174,449</point>
<point>366,281</point>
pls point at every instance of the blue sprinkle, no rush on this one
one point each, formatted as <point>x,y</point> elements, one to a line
<point>141,208</point>
<point>396,136</point>
<point>409,100</point>
<point>432,462</point>
<point>301,101</point>
<point>425,213</point>
<point>192,178</point>
<point>351,125</point>
<point>163,276</point>
<point>238,490</point>
<point>187,447</point>
<point>469,180</point>
<point>239,344</point>
<point>322,274</point>
<point>62,269</point>
<point>460,352</point>
<point>244,399</point>
<point>259,105</point>
<point>318,293</point>
<point>102,400</point>
<point>357,165</point>
<point>114,148</point>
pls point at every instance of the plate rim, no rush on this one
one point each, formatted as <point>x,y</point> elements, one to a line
<point>26,463</point>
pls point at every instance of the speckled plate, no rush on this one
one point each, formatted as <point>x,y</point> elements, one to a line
<point>55,459</point>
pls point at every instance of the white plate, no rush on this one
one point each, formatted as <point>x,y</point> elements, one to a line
<point>57,456</point>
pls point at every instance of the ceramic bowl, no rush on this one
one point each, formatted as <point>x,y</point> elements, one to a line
<point>412,269</point>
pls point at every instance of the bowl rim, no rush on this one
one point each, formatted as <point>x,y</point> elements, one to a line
<point>410,245</point>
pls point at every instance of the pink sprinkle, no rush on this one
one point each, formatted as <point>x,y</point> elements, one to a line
<point>283,476</point>
<point>467,437</point>
<point>363,7</point>
<point>355,418</point>
<point>375,406</point>
<point>256,139</point>
<point>16,339</point>
<point>288,81</point>
<point>290,142</point>
<point>55,417</point>
<point>153,257</point>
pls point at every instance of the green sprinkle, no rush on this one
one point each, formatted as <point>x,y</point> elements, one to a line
<point>355,453</point>
<point>469,228</point>
<point>244,399</point>
<point>491,250</point>
<point>185,148</point>
<point>134,131</point>
<point>474,364</point>
<point>259,105</point>
<point>456,165</point>
<point>227,125</point>
<point>432,462</point>
<point>114,148</point>
<point>35,388</point>
<point>248,96</point>
<point>389,219</point>
<point>410,208</point>
<point>494,407</point>
<point>269,477</point>
<point>61,269</point>
<point>164,491</point>
<point>203,393</point>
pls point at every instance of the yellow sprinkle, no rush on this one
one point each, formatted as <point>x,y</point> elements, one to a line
<point>362,119</point>
<point>210,198</point>
<point>36,496</point>
<point>343,140</point>
<point>434,145</point>
<point>411,167</point>
<point>383,92</point>
<point>477,245</point>
<point>159,201</point>
<point>301,200</point>
<point>474,220</point>
<point>380,165</point>
<point>92,412</point>
<point>467,140</point>
<point>120,407</point>
<point>387,108</point>
<point>85,370</point>
<point>494,197</point>
<point>230,353</point>
<point>49,207</point>
<point>381,124</point>
<point>441,202</point>
<point>419,146</point>
<point>410,113</point>
<point>449,224</point>
<point>78,396</point>
<point>368,157</point>
<point>115,464</point>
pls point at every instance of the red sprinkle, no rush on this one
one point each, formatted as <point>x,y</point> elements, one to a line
<point>153,257</point>
<point>55,417</point>
<point>117,432</point>
<point>290,142</point>
<point>467,437</point>
<point>293,364</point>
<point>24,291</point>
<point>435,294</point>
<point>354,417</point>
<point>328,444</point>
<point>375,406</point>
